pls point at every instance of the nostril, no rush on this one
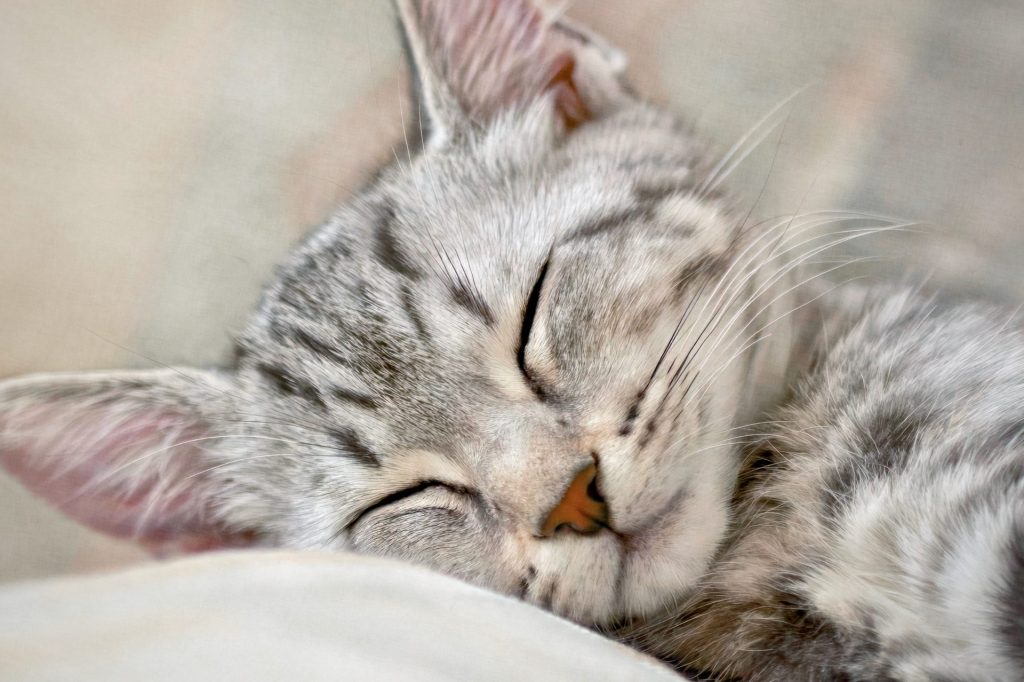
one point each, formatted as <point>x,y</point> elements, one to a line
<point>582,507</point>
<point>593,492</point>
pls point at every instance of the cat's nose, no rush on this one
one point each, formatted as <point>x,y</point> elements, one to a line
<point>581,508</point>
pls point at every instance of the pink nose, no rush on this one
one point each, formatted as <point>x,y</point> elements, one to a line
<point>581,507</point>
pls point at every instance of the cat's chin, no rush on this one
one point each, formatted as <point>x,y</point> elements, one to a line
<point>612,575</point>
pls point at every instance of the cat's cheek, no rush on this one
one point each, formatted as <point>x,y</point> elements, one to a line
<point>665,563</point>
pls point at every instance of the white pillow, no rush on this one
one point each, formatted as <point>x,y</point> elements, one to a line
<point>257,616</point>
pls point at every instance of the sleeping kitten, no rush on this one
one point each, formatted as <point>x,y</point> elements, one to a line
<point>515,357</point>
<point>522,357</point>
<point>879,532</point>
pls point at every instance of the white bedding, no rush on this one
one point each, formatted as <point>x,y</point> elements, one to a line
<point>258,616</point>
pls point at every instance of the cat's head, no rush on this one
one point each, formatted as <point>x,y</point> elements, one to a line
<point>515,357</point>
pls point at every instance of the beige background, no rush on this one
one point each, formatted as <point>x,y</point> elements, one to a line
<point>157,158</point>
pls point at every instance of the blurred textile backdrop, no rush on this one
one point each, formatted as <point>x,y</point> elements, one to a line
<point>157,158</point>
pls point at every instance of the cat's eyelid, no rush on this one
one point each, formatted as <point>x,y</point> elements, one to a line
<point>402,494</point>
<point>529,314</point>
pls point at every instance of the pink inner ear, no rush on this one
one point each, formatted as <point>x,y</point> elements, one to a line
<point>115,471</point>
<point>499,53</point>
<point>568,101</point>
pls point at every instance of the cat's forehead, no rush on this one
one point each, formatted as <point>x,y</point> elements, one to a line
<point>413,294</point>
<point>517,190</point>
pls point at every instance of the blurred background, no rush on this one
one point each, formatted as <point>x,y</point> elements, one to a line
<point>157,158</point>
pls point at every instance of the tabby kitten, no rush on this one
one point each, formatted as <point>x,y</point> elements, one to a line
<point>515,357</point>
<point>522,356</point>
<point>879,531</point>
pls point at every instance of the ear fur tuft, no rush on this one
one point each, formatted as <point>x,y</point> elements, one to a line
<point>473,59</point>
<point>120,452</point>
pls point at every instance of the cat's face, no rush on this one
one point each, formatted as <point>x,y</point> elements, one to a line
<point>515,358</point>
<point>495,314</point>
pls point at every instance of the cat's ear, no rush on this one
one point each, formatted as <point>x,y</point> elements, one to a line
<point>122,452</point>
<point>473,59</point>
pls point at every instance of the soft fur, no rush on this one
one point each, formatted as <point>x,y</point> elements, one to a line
<point>387,353</point>
<point>880,524</point>
<point>555,281</point>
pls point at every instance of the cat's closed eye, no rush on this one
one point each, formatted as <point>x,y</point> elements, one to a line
<point>398,496</point>
<point>529,314</point>
<point>431,519</point>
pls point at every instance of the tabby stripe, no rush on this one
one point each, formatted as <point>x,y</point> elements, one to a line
<point>238,354</point>
<point>317,346</point>
<point>409,304</point>
<point>361,399</point>
<point>631,415</point>
<point>653,193</point>
<point>321,349</point>
<point>547,598</point>
<point>706,266</point>
<point>349,442</point>
<point>607,223</point>
<point>306,271</point>
<point>291,385</point>
<point>1010,603</point>
<point>471,301</point>
<point>386,248</point>
<point>651,428</point>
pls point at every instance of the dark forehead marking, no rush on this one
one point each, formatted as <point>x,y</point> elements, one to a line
<point>356,398</point>
<point>318,347</point>
<point>288,384</point>
<point>606,223</point>
<point>386,248</point>
<point>350,443</point>
<point>471,301</point>
<point>409,305</point>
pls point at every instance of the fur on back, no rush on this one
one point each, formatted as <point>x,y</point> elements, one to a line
<point>879,529</point>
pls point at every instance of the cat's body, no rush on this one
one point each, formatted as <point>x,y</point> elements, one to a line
<point>880,524</point>
<point>523,357</point>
